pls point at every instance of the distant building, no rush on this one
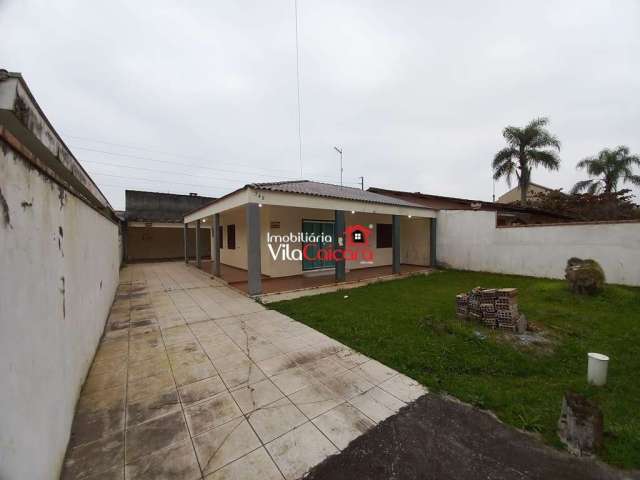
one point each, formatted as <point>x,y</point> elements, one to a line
<point>154,228</point>
<point>513,195</point>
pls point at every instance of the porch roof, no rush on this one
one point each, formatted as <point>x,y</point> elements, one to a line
<point>309,194</point>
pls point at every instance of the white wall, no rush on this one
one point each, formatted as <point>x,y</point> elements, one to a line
<point>470,241</point>
<point>58,275</point>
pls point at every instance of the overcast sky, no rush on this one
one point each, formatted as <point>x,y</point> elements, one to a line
<point>201,96</point>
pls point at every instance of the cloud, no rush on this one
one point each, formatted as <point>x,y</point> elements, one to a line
<point>416,93</point>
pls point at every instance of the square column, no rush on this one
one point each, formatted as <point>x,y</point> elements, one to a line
<point>215,255</point>
<point>198,262</point>
<point>395,243</point>
<point>433,238</point>
<point>254,268</point>
<point>186,242</point>
<point>339,242</point>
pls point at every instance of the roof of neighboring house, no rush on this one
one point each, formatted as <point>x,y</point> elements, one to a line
<point>319,189</point>
<point>160,207</point>
<point>440,202</point>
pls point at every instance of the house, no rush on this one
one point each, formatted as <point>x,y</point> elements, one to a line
<point>506,214</point>
<point>513,195</point>
<point>153,225</point>
<point>296,229</point>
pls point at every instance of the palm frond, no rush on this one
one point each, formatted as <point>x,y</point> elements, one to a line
<point>544,139</point>
<point>581,186</point>
<point>594,188</point>
<point>633,180</point>
<point>544,158</point>
<point>513,136</point>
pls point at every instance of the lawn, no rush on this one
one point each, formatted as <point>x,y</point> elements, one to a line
<point>410,325</point>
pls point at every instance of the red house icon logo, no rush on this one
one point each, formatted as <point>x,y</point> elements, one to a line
<point>357,236</point>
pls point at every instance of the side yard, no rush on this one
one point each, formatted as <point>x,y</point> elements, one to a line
<point>410,325</point>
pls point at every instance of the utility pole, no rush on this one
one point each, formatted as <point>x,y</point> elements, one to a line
<point>339,150</point>
<point>362,183</point>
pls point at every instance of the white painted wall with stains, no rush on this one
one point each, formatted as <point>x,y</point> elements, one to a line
<point>59,267</point>
<point>471,241</point>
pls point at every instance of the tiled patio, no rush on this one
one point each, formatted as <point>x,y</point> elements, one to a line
<point>194,380</point>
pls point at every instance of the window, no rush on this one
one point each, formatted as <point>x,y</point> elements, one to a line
<point>231,237</point>
<point>383,235</point>
<point>220,236</point>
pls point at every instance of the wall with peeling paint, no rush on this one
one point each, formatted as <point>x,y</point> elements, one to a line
<point>58,275</point>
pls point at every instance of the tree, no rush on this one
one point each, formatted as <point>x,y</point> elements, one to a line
<point>609,168</point>
<point>528,147</point>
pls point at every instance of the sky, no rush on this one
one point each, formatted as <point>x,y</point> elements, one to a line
<point>201,96</point>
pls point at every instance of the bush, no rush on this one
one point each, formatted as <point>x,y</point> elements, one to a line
<point>584,276</point>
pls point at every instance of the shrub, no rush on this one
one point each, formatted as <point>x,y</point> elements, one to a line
<point>584,276</point>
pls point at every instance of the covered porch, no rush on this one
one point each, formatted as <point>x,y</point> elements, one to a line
<point>238,278</point>
<point>268,238</point>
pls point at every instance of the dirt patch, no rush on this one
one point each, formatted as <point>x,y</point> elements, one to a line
<point>438,438</point>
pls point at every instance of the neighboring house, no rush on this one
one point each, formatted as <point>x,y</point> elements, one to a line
<point>513,195</point>
<point>506,214</point>
<point>153,226</point>
<point>398,231</point>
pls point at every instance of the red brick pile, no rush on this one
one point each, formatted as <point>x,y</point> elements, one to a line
<point>493,307</point>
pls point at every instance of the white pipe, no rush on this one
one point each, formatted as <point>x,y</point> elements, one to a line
<point>597,369</point>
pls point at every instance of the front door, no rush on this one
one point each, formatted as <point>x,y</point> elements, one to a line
<point>317,227</point>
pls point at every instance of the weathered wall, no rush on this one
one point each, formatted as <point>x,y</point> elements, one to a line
<point>58,275</point>
<point>470,240</point>
<point>165,242</point>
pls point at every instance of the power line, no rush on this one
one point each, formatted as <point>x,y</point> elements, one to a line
<point>155,181</point>
<point>230,180</point>
<point>295,7</point>
<point>138,157</point>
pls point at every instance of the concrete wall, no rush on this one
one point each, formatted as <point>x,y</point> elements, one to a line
<point>414,234</point>
<point>164,242</point>
<point>58,276</point>
<point>470,241</point>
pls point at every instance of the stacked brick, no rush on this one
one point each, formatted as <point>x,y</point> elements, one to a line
<point>493,307</point>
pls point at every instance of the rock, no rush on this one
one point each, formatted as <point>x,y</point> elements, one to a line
<point>581,425</point>
<point>584,276</point>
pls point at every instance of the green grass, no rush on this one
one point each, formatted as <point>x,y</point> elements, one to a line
<point>410,325</point>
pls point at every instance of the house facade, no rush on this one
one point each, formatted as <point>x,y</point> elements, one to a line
<point>285,229</point>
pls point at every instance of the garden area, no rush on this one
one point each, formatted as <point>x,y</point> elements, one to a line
<point>410,325</point>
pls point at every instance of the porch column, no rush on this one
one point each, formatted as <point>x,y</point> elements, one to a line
<point>253,249</point>
<point>215,255</point>
<point>186,242</point>
<point>433,229</point>
<point>338,242</point>
<point>395,243</point>
<point>198,262</point>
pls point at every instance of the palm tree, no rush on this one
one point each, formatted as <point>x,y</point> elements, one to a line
<point>610,167</point>
<point>528,147</point>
